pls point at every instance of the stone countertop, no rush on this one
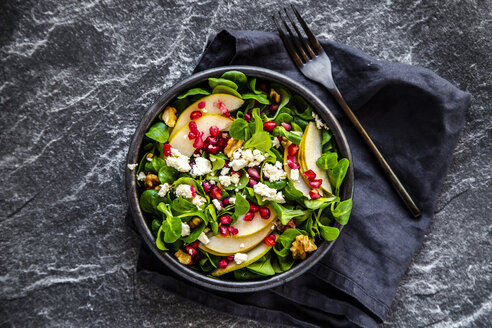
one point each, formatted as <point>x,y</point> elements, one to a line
<point>78,75</point>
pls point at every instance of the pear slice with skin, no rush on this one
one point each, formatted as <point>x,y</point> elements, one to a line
<point>253,255</point>
<point>247,228</point>
<point>181,142</point>
<point>310,150</point>
<point>225,246</point>
<point>299,184</point>
<point>213,104</point>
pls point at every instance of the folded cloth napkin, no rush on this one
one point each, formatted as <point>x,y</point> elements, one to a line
<point>414,117</point>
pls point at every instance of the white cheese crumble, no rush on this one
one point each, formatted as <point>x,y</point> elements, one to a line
<point>275,142</point>
<point>242,158</point>
<point>232,200</point>
<point>294,174</point>
<point>224,171</point>
<point>164,189</point>
<point>202,166</point>
<point>274,173</point>
<point>225,180</point>
<point>318,121</point>
<point>240,258</point>
<point>184,191</point>
<point>149,159</point>
<point>179,161</point>
<point>199,201</point>
<point>132,166</point>
<point>235,179</point>
<point>268,193</point>
<point>203,238</point>
<point>217,205</point>
<point>185,229</point>
<point>141,176</point>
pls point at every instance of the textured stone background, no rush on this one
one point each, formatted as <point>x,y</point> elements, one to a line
<point>78,75</point>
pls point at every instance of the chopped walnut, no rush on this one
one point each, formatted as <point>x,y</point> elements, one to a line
<point>169,116</point>
<point>151,180</point>
<point>274,96</point>
<point>194,222</point>
<point>301,246</point>
<point>183,257</point>
<point>232,146</point>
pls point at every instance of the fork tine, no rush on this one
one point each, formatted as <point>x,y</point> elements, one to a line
<point>306,29</point>
<point>304,42</point>
<point>293,38</point>
<point>293,54</point>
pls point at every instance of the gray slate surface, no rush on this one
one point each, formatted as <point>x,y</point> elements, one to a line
<point>76,78</point>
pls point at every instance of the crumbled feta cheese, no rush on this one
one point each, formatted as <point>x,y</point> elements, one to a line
<point>242,158</point>
<point>199,201</point>
<point>241,245</point>
<point>275,142</point>
<point>184,191</point>
<point>132,166</point>
<point>224,171</point>
<point>185,229</point>
<point>274,173</point>
<point>141,176</point>
<point>294,174</point>
<point>235,179</point>
<point>238,164</point>
<point>203,238</point>
<point>237,154</point>
<point>164,189</point>
<point>202,166</point>
<point>179,161</point>
<point>268,193</point>
<point>318,121</point>
<point>225,180</point>
<point>232,200</point>
<point>248,155</point>
<point>149,159</point>
<point>217,205</point>
<point>240,258</point>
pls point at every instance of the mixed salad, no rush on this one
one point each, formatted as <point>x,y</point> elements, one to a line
<point>241,178</point>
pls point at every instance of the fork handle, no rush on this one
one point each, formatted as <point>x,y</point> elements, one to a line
<point>395,182</point>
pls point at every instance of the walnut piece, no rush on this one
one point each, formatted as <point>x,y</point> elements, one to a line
<point>183,257</point>
<point>151,180</point>
<point>232,146</point>
<point>274,96</point>
<point>193,223</point>
<point>169,116</point>
<point>301,246</point>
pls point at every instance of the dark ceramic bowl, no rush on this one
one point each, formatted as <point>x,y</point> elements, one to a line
<point>144,225</point>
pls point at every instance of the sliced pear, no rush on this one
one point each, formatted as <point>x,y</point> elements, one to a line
<point>181,142</point>
<point>225,246</point>
<point>300,184</point>
<point>247,228</point>
<point>253,255</point>
<point>309,152</point>
<point>212,106</point>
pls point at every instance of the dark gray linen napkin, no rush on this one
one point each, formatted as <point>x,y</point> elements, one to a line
<point>415,118</point>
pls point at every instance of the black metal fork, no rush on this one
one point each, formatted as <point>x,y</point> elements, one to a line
<point>313,62</point>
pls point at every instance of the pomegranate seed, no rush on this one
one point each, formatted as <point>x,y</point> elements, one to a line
<point>225,219</point>
<point>190,250</point>
<point>191,135</point>
<point>273,107</point>
<point>253,173</point>
<point>212,140</point>
<point>214,131</point>
<point>254,208</point>
<point>263,87</point>
<point>206,186</point>
<point>286,126</point>
<point>198,141</point>
<point>310,175</point>
<point>249,216</point>
<point>293,149</point>
<point>315,183</point>
<point>195,115</point>
<point>195,244</point>
<point>212,149</point>
<point>294,165</point>
<point>191,263</point>
<point>272,236</point>
<point>223,263</point>
<point>166,149</point>
<point>223,231</point>
<point>193,127</point>
<point>198,256</point>
<point>247,117</point>
<point>215,192</point>
<point>265,212</point>
<point>252,182</point>
<point>232,230</point>
<point>270,125</point>
<point>227,201</point>
<point>314,194</point>
<point>269,241</point>
<point>193,191</point>
<point>222,143</point>
<point>230,258</point>
<point>201,104</point>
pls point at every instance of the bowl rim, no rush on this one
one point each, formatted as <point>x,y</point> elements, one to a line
<point>131,187</point>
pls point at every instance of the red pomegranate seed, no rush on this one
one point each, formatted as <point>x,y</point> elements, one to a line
<point>215,192</point>
<point>247,117</point>
<point>315,183</point>
<point>294,165</point>
<point>166,149</point>
<point>223,263</point>
<point>191,263</point>
<point>225,219</point>
<point>223,231</point>
<point>263,87</point>
<point>253,173</point>
<point>212,140</point>
<point>314,194</point>
<point>252,182</point>
<point>190,250</point>
<point>214,131</point>
<point>286,126</point>
<point>206,186</point>
<point>265,212</point>
<point>230,258</point>
<point>249,216</point>
<point>198,256</point>
<point>232,230</point>
<point>227,201</point>
<point>269,241</point>
<point>195,115</point>
<point>270,125</point>
<point>310,175</point>
<point>222,143</point>
<point>201,104</point>
<point>293,149</point>
<point>191,135</point>
<point>195,244</point>
<point>193,127</point>
<point>213,149</point>
<point>254,208</point>
<point>273,107</point>
<point>272,236</point>
<point>193,191</point>
<point>198,141</point>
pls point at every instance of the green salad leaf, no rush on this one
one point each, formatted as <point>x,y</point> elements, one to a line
<point>259,97</point>
<point>241,205</point>
<point>158,132</point>
<point>239,129</point>
<point>193,92</point>
<point>342,211</point>
<point>226,89</point>
<point>237,77</point>
<point>213,82</point>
